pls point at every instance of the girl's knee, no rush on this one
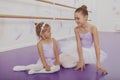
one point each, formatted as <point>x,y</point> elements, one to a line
<point>35,67</point>
<point>69,65</point>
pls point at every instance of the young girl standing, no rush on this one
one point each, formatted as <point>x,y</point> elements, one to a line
<point>48,52</point>
<point>87,44</point>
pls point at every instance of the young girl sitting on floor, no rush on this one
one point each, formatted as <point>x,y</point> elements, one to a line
<point>48,51</point>
<point>86,50</point>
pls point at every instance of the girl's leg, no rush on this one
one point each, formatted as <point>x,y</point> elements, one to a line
<point>19,68</point>
<point>68,61</point>
<point>37,66</point>
<point>53,69</point>
<point>28,67</point>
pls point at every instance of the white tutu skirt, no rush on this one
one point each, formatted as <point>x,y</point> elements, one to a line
<point>69,53</point>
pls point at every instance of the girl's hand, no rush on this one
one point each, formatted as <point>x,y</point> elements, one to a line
<point>80,65</point>
<point>47,68</point>
<point>99,67</point>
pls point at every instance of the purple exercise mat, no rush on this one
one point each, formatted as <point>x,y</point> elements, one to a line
<point>109,42</point>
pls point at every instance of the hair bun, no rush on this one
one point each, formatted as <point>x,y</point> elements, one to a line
<point>41,23</point>
<point>84,7</point>
<point>36,23</point>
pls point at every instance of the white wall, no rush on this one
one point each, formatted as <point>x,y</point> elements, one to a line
<point>108,15</point>
<point>16,33</point>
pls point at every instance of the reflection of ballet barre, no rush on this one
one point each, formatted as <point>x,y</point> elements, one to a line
<point>33,17</point>
<point>58,4</point>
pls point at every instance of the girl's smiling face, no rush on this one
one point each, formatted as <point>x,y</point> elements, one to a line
<point>47,33</point>
<point>80,19</point>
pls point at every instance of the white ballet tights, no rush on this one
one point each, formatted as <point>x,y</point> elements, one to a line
<point>53,69</point>
<point>36,68</point>
<point>68,61</point>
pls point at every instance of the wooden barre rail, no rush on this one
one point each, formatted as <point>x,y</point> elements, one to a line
<point>49,2</point>
<point>54,3</point>
<point>33,17</point>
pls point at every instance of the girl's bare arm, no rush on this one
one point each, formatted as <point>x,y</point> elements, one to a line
<point>39,46</point>
<point>57,62</point>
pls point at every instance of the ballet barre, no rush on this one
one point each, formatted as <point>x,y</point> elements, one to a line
<point>58,4</point>
<point>54,3</point>
<point>33,17</point>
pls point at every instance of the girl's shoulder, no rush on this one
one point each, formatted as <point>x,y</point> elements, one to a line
<point>76,29</point>
<point>92,28</point>
<point>53,40</point>
<point>91,25</point>
<point>40,42</point>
